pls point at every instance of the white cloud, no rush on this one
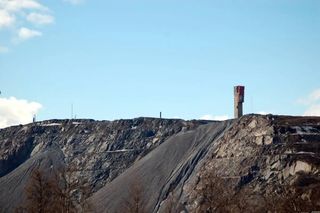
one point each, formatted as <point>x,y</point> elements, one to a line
<point>313,110</point>
<point>14,111</point>
<point>25,33</point>
<point>6,19</point>
<point>74,2</point>
<point>313,97</point>
<point>312,102</point>
<point>263,113</point>
<point>19,14</point>
<point>215,117</point>
<point>18,5</point>
<point>38,18</point>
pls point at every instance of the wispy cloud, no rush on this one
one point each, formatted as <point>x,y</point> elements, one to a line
<point>25,33</point>
<point>41,19</point>
<point>20,19</point>
<point>314,96</point>
<point>15,111</point>
<point>313,110</point>
<point>6,19</point>
<point>312,103</point>
<point>214,117</point>
<point>18,5</point>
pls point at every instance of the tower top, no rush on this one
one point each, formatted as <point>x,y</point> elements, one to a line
<point>239,90</point>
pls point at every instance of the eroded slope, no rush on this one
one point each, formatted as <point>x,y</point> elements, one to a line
<point>257,157</point>
<point>98,150</point>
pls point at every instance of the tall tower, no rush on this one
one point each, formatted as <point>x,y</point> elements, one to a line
<point>238,101</point>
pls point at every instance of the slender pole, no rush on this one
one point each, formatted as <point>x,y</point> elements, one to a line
<point>72,111</point>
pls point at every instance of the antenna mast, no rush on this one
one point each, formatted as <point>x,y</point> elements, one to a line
<point>72,111</point>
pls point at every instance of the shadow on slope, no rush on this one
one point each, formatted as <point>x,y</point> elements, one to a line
<point>12,186</point>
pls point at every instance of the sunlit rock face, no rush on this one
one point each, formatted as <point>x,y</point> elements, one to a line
<point>166,157</point>
<point>263,155</point>
<point>256,154</point>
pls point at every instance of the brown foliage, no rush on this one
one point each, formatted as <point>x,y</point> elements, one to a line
<point>59,194</point>
<point>64,187</point>
<point>135,202</point>
<point>293,199</point>
<point>40,194</point>
<point>215,193</point>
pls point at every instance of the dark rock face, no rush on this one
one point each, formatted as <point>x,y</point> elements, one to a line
<point>166,157</point>
<point>99,150</point>
<point>16,156</point>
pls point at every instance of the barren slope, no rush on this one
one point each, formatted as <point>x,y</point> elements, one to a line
<point>258,155</point>
<point>99,150</point>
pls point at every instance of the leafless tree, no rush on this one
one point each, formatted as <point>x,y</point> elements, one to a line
<point>290,199</point>
<point>60,193</point>
<point>72,193</point>
<point>214,193</point>
<point>135,202</point>
<point>39,194</point>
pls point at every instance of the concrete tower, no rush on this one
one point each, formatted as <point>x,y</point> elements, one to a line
<point>238,101</point>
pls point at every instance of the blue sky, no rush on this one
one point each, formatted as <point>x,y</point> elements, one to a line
<point>125,59</point>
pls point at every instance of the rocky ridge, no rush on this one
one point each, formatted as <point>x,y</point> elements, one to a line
<point>99,150</point>
<point>264,155</point>
<point>256,156</point>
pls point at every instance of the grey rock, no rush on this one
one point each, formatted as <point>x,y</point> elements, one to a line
<point>101,150</point>
<point>166,157</point>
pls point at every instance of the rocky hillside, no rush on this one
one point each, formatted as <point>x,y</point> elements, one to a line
<point>252,164</point>
<point>269,163</point>
<point>98,150</point>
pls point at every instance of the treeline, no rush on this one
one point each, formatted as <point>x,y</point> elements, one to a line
<point>218,194</point>
<point>57,193</point>
<point>62,194</point>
